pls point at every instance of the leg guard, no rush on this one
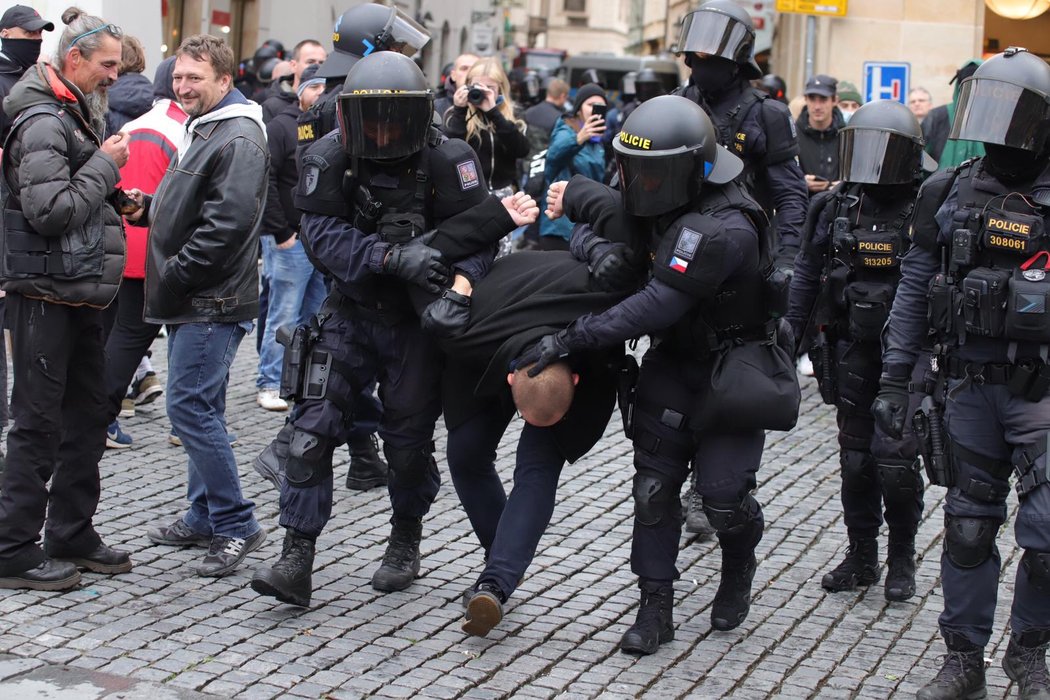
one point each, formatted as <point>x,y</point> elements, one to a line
<point>309,459</point>
<point>1037,568</point>
<point>408,468</point>
<point>969,542</point>
<point>857,470</point>
<point>732,518</point>
<point>654,498</point>
<point>901,479</point>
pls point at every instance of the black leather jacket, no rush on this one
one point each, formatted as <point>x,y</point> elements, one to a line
<point>202,262</point>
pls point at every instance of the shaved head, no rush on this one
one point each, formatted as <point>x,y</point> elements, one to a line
<point>543,400</point>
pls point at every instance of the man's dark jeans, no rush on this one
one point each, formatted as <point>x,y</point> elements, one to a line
<point>59,433</point>
<point>128,341</point>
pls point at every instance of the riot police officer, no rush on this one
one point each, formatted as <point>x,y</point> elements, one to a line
<point>718,42</point>
<point>359,31</point>
<point>976,275</point>
<point>647,85</point>
<point>845,278</point>
<point>774,86</point>
<point>369,192</point>
<point>711,254</point>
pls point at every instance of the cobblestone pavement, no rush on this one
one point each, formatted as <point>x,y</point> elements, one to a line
<point>162,625</point>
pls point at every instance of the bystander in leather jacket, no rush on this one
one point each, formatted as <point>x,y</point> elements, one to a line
<point>202,262</point>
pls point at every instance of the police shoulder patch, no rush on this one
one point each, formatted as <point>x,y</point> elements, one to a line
<point>468,175</point>
<point>311,176</point>
<point>688,241</point>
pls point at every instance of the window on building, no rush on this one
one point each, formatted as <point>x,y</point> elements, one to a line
<point>577,21</point>
<point>575,5</point>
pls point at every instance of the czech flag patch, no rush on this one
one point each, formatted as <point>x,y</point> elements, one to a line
<point>678,264</point>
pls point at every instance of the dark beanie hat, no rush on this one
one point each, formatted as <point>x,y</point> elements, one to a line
<point>584,93</point>
<point>162,88</point>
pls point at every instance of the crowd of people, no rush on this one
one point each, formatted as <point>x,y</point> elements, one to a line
<point>904,248</point>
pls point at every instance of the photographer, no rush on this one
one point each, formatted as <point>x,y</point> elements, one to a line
<point>483,115</point>
<point>576,148</point>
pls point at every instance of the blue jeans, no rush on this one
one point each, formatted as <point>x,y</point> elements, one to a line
<point>199,360</point>
<point>296,292</point>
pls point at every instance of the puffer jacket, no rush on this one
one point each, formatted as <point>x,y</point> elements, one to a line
<point>61,181</point>
<point>202,261</point>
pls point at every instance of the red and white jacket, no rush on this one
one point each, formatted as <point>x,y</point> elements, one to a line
<point>155,138</point>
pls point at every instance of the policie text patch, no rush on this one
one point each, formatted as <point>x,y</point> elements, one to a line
<point>468,175</point>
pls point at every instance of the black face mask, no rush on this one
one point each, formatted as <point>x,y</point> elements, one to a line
<point>713,74</point>
<point>1013,164</point>
<point>25,51</point>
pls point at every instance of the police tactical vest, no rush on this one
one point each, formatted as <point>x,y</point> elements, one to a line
<point>744,305</point>
<point>862,265</point>
<point>996,283</point>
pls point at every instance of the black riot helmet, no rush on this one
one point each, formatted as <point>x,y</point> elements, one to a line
<point>882,145</point>
<point>720,28</point>
<point>386,108</point>
<point>647,85</point>
<point>1006,102</point>
<point>591,75</point>
<point>367,28</point>
<point>775,87</point>
<point>627,85</point>
<point>277,47</point>
<point>666,149</point>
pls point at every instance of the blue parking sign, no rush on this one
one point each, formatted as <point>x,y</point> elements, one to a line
<point>886,81</point>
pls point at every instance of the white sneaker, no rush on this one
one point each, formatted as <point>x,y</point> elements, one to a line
<point>805,366</point>
<point>269,400</point>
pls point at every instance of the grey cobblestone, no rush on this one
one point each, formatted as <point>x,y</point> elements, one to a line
<point>161,624</point>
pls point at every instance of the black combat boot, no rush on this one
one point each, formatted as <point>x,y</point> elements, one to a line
<point>290,579</point>
<point>367,468</point>
<point>962,675</point>
<point>655,624</point>
<point>401,561</point>
<point>900,567</point>
<point>733,600</point>
<point>859,568</point>
<point>1025,664</point>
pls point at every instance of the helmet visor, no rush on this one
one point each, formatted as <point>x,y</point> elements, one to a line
<point>382,126</point>
<point>713,33</point>
<point>992,111</point>
<point>876,157</point>
<point>407,36</point>
<point>656,185</point>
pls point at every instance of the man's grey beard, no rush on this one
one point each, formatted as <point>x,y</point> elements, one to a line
<point>98,105</point>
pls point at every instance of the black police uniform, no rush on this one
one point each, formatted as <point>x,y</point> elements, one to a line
<point>848,268</point>
<point>707,292</point>
<point>977,275</point>
<point>751,125</point>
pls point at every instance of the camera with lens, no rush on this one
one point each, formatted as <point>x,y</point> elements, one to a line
<point>476,95</point>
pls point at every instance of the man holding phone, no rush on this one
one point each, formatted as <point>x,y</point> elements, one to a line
<point>818,133</point>
<point>576,148</point>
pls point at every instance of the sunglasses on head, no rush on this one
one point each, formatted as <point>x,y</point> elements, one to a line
<point>112,29</point>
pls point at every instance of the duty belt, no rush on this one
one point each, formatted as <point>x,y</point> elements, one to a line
<point>348,306</point>
<point>980,373</point>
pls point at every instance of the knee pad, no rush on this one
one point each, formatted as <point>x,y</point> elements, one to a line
<point>857,470</point>
<point>901,479</point>
<point>969,542</point>
<point>731,518</point>
<point>1037,569</point>
<point>309,458</point>
<point>408,468</point>
<point>654,499</point>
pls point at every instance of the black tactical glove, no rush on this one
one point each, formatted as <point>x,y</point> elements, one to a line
<point>448,316</point>
<point>548,350</point>
<point>418,263</point>
<point>610,269</point>
<point>891,405</point>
